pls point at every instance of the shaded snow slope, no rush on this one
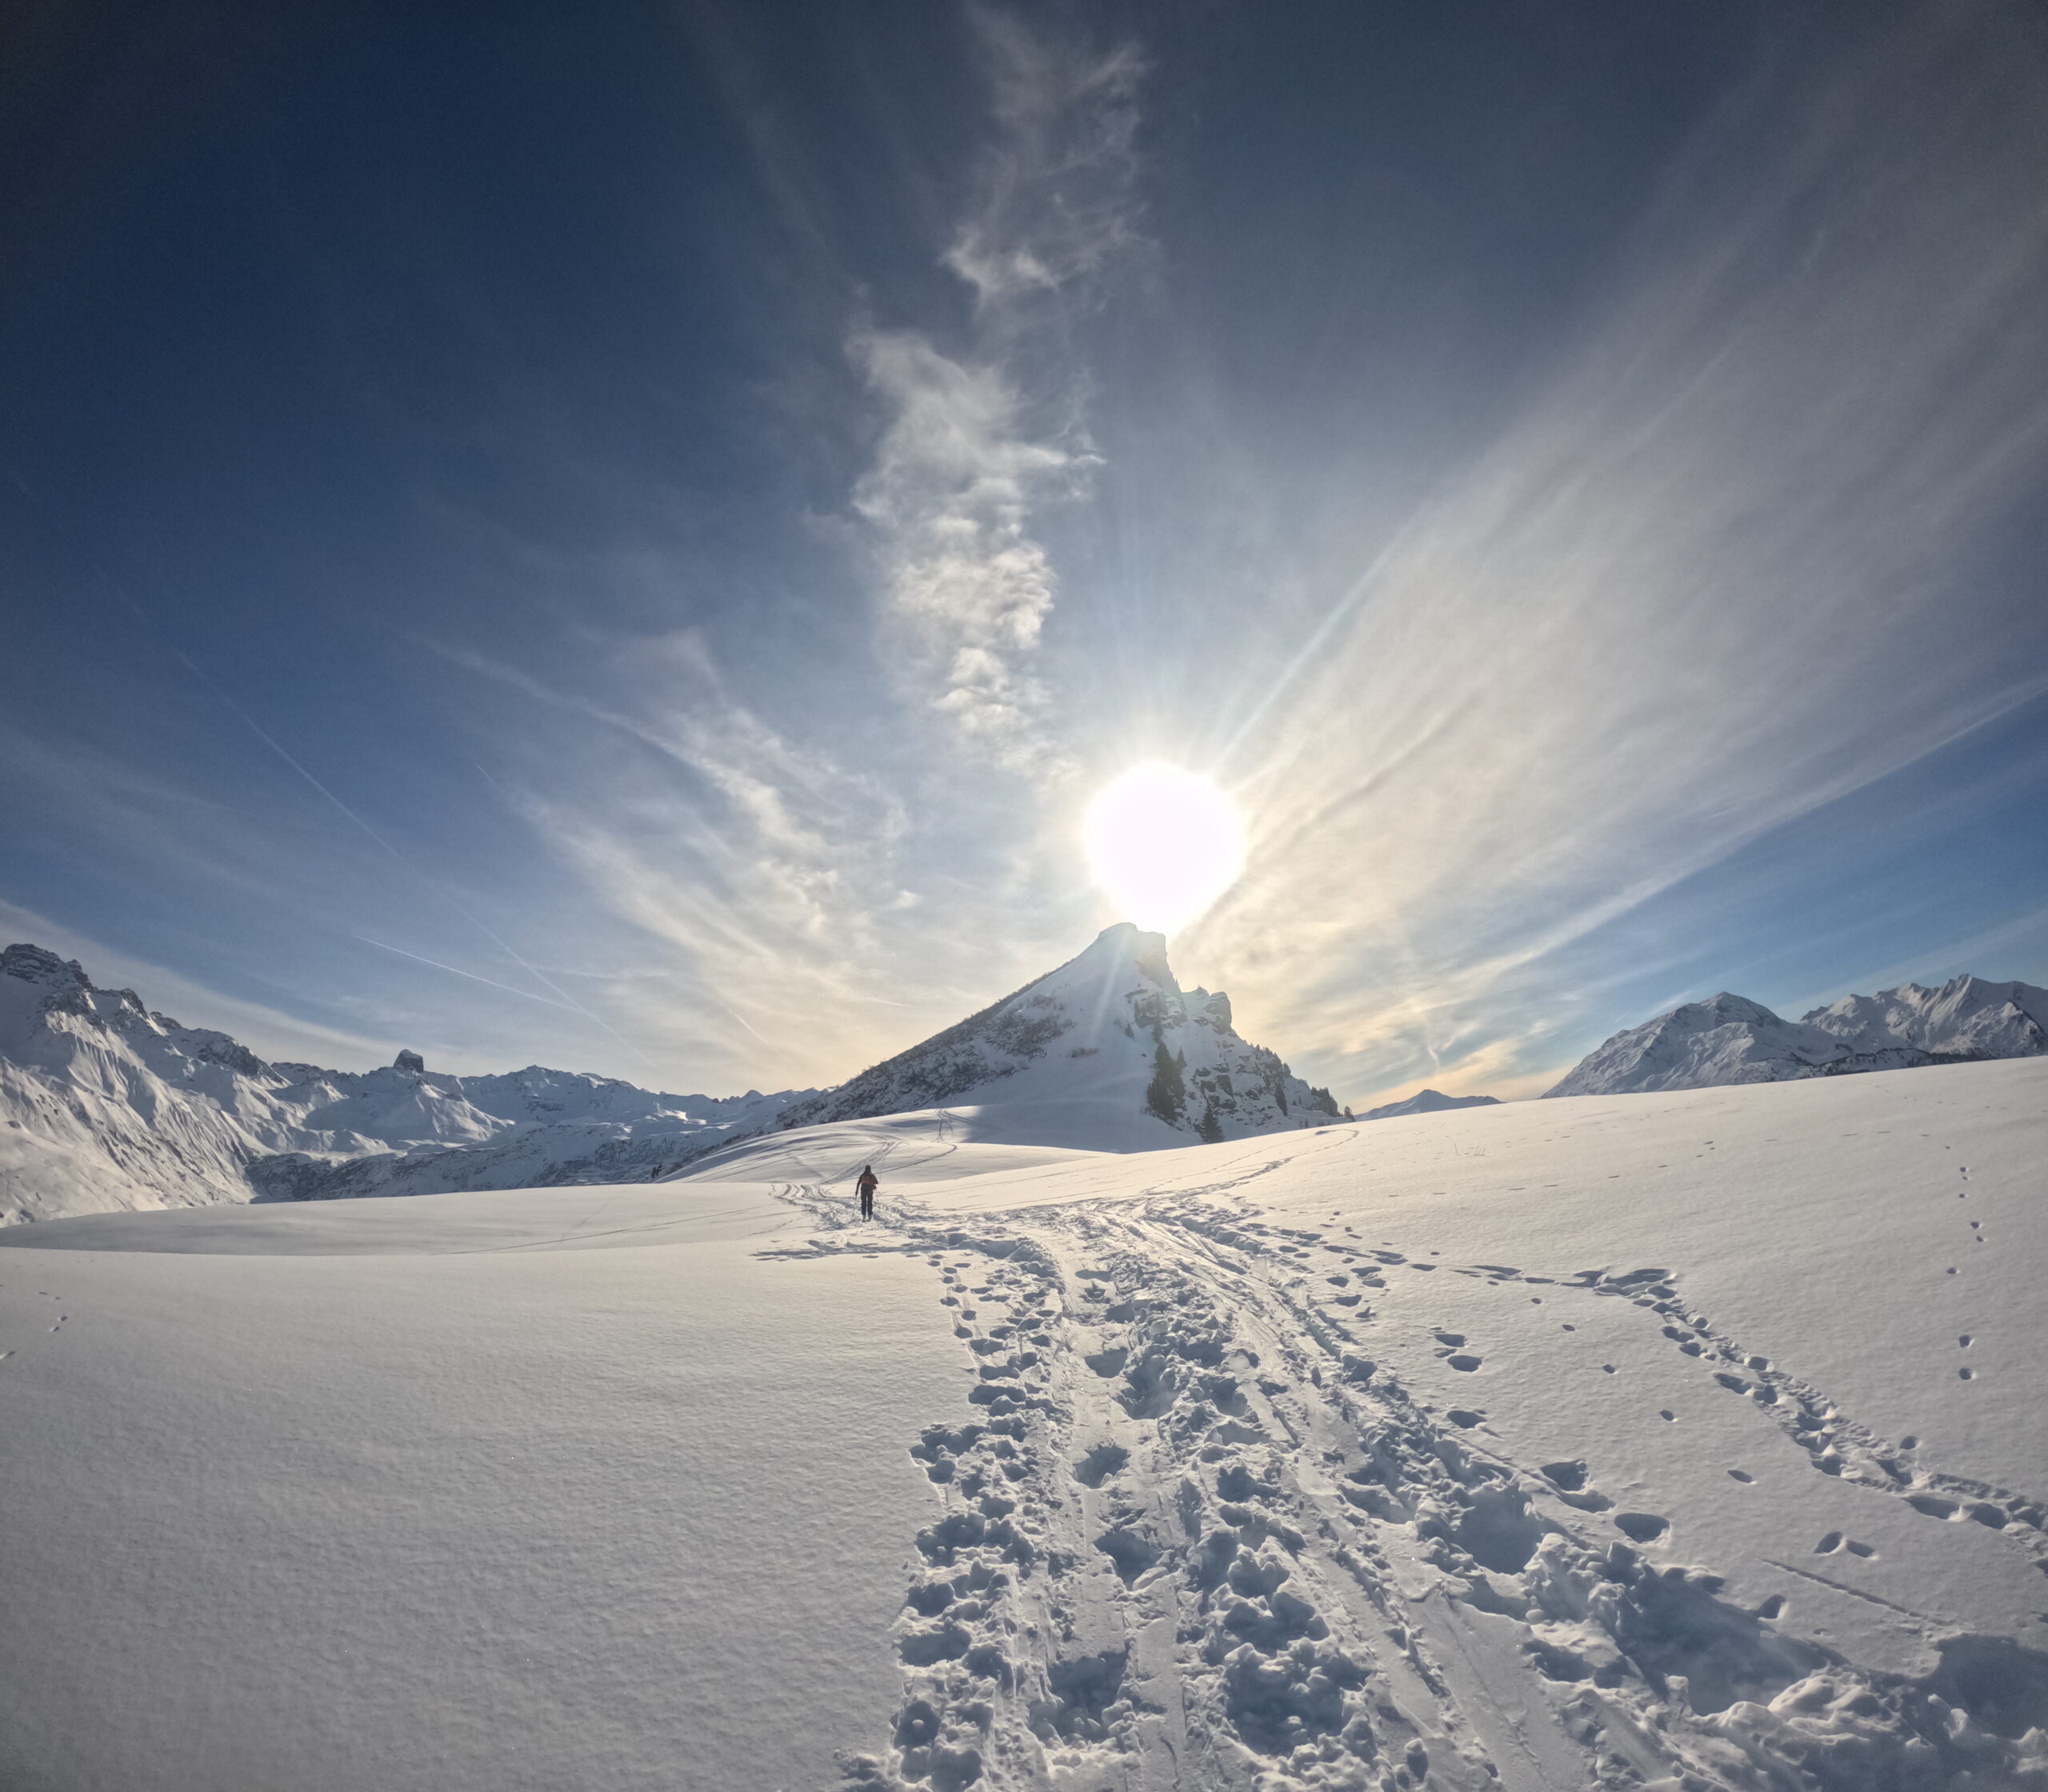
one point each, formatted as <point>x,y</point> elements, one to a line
<point>1729,1039</point>
<point>1107,1052</point>
<point>107,1105</point>
<point>940,1145</point>
<point>1428,1101</point>
<point>1690,1441</point>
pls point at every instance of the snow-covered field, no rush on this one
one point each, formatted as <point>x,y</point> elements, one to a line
<point>1685,1440</point>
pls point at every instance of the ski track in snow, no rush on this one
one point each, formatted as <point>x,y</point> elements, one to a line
<point>1195,1534</point>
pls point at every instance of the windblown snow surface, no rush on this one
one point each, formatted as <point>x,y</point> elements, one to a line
<point>1682,1440</point>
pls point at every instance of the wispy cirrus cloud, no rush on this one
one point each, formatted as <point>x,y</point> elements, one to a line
<point>981,438</point>
<point>951,498</point>
<point>758,880</point>
<point>1058,206</point>
<point>1726,568</point>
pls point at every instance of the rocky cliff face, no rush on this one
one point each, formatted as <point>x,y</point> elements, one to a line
<point>1729,1039</point>
<point>1108,1049</point>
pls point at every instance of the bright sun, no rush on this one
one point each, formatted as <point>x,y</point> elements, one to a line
<point>1162,845</point>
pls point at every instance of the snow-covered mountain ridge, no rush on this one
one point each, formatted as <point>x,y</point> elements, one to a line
<point>1428,1101</point>
<point>107,1105</point>
<point>1730,1039</point>
<point>1106,1053</point>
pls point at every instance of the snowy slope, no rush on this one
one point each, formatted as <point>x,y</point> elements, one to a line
<point>1108,1052</point>
<point>1428,1101</point>
<point>107,1105</point>
<point>1687,1441</point>
<point>1729,1039</point>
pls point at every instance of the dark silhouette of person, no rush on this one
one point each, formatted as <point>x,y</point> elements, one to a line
<point>866,1185</point>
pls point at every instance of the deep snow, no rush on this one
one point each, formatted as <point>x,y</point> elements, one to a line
<point>1687,1440</point>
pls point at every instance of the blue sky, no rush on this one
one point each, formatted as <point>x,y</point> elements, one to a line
<point>627,539</point>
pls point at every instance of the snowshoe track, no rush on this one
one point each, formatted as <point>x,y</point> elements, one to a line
<point>1194,1535</point>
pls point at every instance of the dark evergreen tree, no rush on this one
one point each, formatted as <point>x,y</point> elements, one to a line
<point>1210,1128</point>
<point>1166,1095</point>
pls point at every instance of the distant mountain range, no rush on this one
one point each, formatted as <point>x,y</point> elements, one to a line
<point>1729,1039</point>
<point>105,1104</point>
<point>1428,1101</point>
<point>108,1105</point>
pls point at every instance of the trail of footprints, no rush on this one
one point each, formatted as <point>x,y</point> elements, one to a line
<point>1183,1530</point>
<point>1071,1626</point>
<point>1834,1443</point>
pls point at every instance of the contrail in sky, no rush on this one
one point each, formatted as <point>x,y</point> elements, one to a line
<point>417,959</point>
<point>564,999</point>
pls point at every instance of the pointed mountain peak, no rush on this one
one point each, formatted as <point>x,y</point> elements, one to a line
<point>1107,1052</point>
<point>1428,1101</point>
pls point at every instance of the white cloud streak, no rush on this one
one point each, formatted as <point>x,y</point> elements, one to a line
<point>1714,578</point>
<point>760,877</point>
<point>978,442</point>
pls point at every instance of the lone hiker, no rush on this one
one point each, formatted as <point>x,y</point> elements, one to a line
<point>866,1185</point>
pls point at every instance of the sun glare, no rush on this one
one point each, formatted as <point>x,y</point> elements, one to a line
<point>1162,845</point>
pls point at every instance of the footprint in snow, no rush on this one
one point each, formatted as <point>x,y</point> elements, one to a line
<point>1834,1540</point>
<point>1574,1487</point>
<point>1641,1527</point>
<point>1100,1463</point>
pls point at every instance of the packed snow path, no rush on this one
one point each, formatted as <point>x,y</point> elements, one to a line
<point>1253,1497</point>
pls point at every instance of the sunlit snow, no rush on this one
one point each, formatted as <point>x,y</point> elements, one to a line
<point>1689,1438</point>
